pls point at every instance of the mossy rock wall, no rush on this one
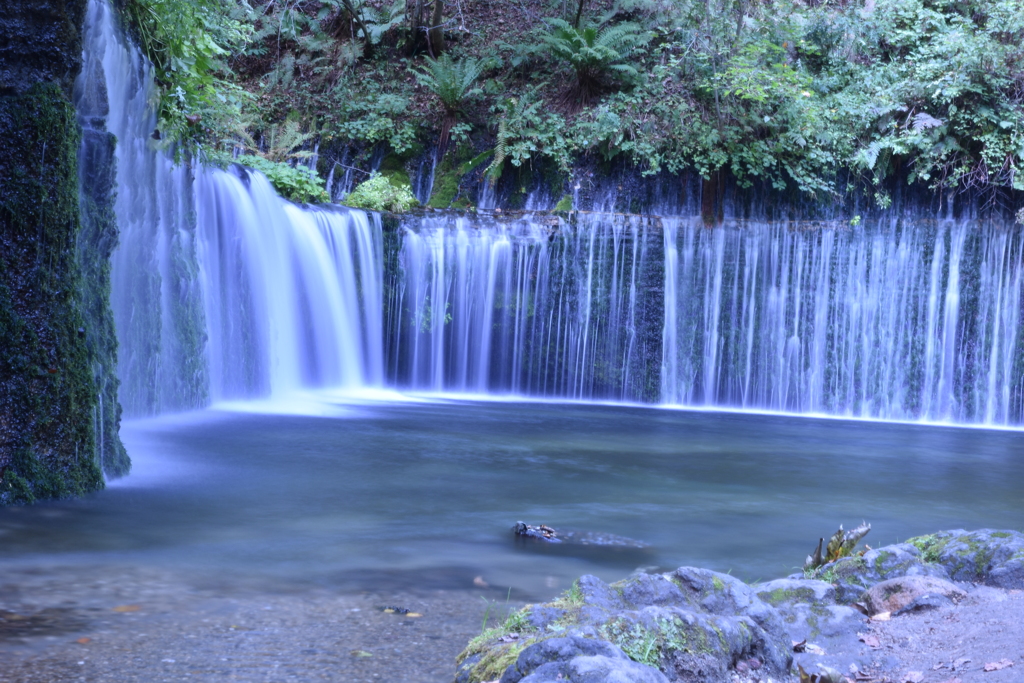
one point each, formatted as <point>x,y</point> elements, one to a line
<point>54,320</point>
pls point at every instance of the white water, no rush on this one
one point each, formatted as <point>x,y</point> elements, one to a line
<point>221,289</point>
<point>919,320</point>
<point>292,296</point>
<point>224,291</point>
<point>519,307</point>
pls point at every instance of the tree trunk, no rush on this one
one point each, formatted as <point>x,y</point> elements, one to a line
<point>357,17</point>
<point>579,14</point>
<point>415,25</point>
<point>435,34</point>
<point>712,196</point>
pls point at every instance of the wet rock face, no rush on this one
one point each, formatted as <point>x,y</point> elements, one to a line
<point>40,41</point>
<point>47,388</point>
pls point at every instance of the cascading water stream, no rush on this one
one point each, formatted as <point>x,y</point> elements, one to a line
<point>525,307</point>
<point>220,288</point>
<point>916,320</point>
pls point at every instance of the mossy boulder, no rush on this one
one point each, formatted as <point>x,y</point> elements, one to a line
<point>690,624</point>
<point>851,576</point>
<point>988,556</point>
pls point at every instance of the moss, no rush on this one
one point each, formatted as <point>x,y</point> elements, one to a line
<point>640,644</point>
<point>564,204</point>
<point>717,583</point>
<point>495,660</point>
<point>781,595</point>
<point>930,546</point>
<point>48,394</point>
<point>96,242</point>
<point>446,188</point>
<point>448,178</point>
<point>880,561</point>
<point>1001,534</point>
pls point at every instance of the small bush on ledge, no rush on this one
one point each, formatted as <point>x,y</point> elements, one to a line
<point>381,193</point>
<point>298,184</point>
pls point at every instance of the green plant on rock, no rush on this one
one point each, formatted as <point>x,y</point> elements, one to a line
<point>525,130</point>
<point>595,54</point>
<point>380,193</point>
<point>297,183</point>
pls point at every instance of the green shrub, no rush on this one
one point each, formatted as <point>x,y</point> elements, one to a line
<point>381,193</point>
<point>298,184</point>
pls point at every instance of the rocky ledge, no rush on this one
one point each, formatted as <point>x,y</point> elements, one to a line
<point>694,624</point>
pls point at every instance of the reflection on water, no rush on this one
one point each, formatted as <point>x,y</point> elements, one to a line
<point>425,492</point>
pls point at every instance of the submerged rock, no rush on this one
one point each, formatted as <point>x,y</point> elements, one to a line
<point>546,534</point>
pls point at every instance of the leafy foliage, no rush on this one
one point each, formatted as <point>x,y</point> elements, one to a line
<point>451,80</point>
<point>379,193</point>
<point>816,97</point>
<point>188,43</point>
<point>595,53</point>
<point>297,183</point>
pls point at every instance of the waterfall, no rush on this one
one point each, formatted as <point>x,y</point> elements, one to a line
<point>529,306</point>
<point>223,290</point>
<point>915,319</point>
<point>220,288</point>
<point>292,296</point>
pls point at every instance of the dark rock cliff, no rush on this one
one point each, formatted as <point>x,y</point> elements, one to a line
<point>53,312</point>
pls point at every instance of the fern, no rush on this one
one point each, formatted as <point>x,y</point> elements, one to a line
<point>515,126</point>
<point>594,52</point>
<point>451,80</point>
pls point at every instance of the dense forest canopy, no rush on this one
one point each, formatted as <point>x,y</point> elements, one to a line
<point>811,96</point>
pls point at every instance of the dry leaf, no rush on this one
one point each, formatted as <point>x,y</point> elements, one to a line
<point>882,616</point>
<point>996,666</point>
<point>127,608</point>
<point>360,653</point>
<point>83,641</point>
<point>913,677</point>
<point>801,646</point>
<point>413,614</point>
<point>813,649</point>
<point>870,640</point>
<point>479,582</point>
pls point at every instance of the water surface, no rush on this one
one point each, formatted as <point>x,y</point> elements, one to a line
<point>422,493</point>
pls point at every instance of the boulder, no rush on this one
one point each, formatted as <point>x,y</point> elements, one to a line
<point>995,558</point>
<point>894,595</point>
<point>580,659</point>
<point>851,576</point>
<point>687,625</point>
